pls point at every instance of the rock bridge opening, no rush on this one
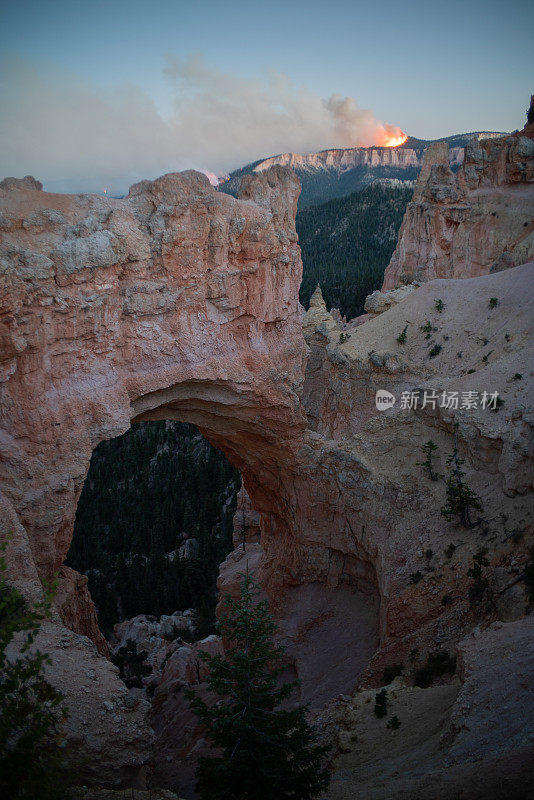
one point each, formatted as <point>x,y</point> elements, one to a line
<point>153,523</point>
<point>176,303</point>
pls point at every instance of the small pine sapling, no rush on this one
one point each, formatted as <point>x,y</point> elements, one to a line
<point>401,338</point>
<point>429,449</point>
<point>381,703</point>
<point>461,499</point>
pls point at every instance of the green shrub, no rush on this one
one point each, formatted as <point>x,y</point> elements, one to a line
<point>436,350</point>
<point>401,338</point>
<point>415,577</point>
<point>394,723</point>
<point>493,302</point>
<point>131,664</point>
<point>439,305</point>
<point>381,703</point>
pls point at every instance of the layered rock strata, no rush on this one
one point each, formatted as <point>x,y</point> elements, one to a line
<point>346,158</point>
<point>477,221</point>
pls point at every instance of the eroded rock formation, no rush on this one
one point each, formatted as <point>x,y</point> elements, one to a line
<point>472,223</point>
<point>177,302</point>
<point>181,302</point>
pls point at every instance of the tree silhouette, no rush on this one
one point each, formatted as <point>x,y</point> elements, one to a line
<point>32,764</point>
<point>266,752</point>
<point>461,499</point>
<point>429,448</point>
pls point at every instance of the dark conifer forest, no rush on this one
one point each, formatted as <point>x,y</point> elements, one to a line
<point>146,493</point>
<point>347,243</point>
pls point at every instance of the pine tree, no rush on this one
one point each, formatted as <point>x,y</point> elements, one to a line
<point>461,499</point>
<point>429,448</point>
<point>32,765</point>
<point>266,752</point>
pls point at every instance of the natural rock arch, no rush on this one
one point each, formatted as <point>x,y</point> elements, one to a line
<point>178,302</point>
<point>178,298</point>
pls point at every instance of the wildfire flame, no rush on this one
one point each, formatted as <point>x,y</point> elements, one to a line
<point>391,136</point>
<point>395,141</point>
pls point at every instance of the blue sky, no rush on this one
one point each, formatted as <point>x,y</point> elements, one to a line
<point>432,69</point>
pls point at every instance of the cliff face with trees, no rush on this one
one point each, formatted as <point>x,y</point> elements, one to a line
<point>182,303</point>
<point>153,523</point>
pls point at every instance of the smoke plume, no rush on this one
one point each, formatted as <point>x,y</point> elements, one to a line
<point>75,137</point>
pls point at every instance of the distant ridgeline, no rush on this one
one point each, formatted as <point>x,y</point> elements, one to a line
<point>153,523</point>
<point>347,243</point>
<point>336,173</point>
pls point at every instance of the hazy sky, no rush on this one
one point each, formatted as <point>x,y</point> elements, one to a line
<point>109,91</point>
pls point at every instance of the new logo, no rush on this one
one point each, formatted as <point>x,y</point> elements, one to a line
<point>384,400</point>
